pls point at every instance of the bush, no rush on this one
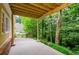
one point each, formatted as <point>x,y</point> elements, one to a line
<point>68,38</point>
<point>62,49</point>
<point>76,49</point>
<point>57,47</point>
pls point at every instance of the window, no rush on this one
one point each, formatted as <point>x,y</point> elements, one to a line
<point>3,23</point>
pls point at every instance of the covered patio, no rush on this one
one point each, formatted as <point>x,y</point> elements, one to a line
<point>26,46</point>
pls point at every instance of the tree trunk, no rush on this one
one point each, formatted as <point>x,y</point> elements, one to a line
<point>57,39</point>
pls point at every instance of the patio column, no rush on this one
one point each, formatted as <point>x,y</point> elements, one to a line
<point>37,30</point>
<point>12,30</point>
<point>0,25</point>
<point>57,38</point>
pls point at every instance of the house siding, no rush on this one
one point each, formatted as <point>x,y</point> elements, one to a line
<point>5,37</point>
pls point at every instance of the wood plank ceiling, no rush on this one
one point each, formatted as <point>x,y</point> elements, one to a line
<point>35,10</point>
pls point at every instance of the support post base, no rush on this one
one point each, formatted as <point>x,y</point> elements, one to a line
<point>12,44</point>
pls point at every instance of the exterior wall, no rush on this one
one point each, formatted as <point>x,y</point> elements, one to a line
<point>5,37</point>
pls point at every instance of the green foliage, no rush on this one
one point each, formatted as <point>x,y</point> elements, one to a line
<point>58,47</point>
<point>69,31</point>
<point>70,27</point>
<point>76,49</point>
<point>62,49</point>
<point>30,25</point>
<point>47,28</point>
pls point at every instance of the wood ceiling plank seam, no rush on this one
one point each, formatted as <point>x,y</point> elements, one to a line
<point>40,6</point>
<point>44,4</point>
<point>34,7</point>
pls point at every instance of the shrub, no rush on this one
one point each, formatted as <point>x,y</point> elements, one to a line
<point>62,49</point>
<point>59,48</point>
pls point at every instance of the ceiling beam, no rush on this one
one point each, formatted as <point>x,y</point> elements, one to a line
<point>51,5</point>
<point>28,12</point>
<point>24,14</point>
<point>20,14</point>
<point>28,7</point>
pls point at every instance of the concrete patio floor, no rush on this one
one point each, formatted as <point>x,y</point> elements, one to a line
<point>28,46</point>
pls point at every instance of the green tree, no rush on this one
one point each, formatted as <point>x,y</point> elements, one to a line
<point>30,25</point>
